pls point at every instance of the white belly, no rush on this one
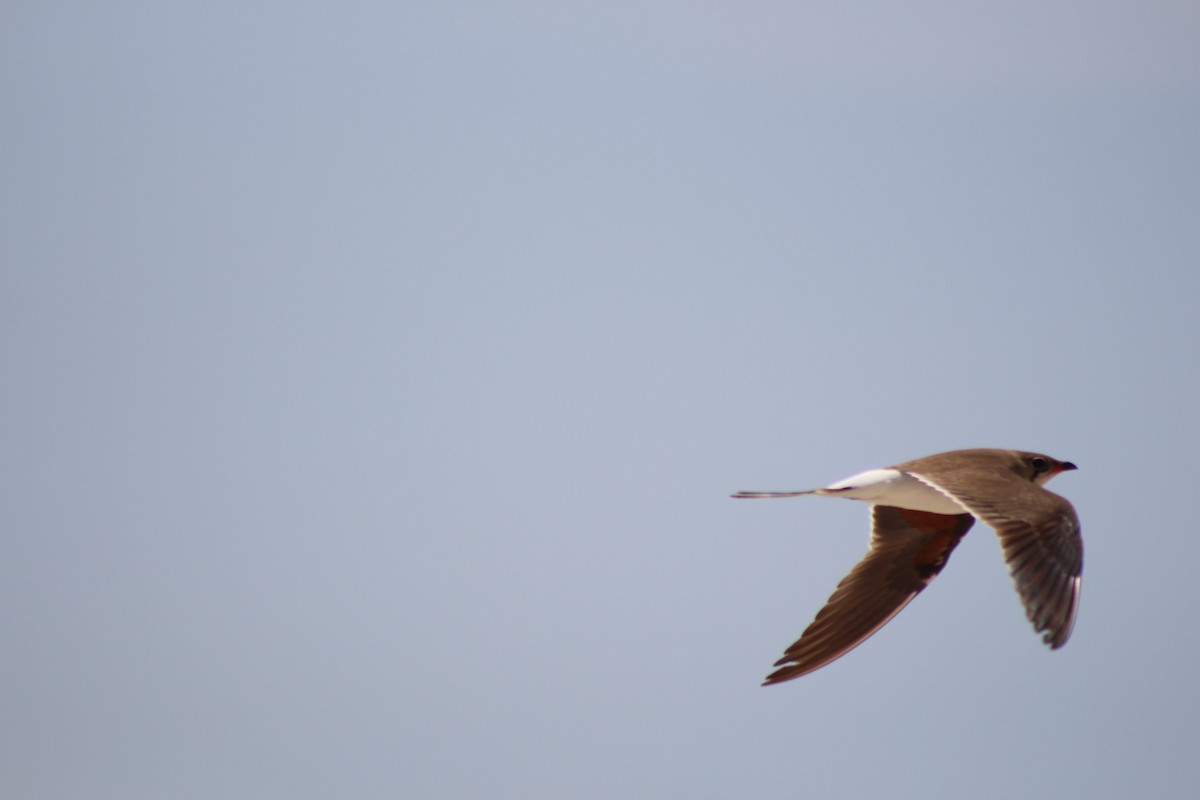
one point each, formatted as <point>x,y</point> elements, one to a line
<point>891,487</point>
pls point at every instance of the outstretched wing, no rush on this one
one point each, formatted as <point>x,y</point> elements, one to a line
<point>908,549</point>
<point>1039,533</point>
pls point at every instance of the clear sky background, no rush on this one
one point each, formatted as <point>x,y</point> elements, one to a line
<point>376,375</point>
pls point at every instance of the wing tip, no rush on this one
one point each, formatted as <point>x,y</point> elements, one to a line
<point>790,672</point>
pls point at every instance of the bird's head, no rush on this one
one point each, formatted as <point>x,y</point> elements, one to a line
<point>1041,468</point>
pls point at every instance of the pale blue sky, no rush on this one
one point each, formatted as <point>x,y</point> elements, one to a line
<point>376,375</point>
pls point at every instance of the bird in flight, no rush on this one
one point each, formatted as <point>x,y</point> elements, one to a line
<point>920,511</point>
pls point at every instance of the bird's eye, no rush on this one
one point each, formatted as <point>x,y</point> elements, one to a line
<point>1039,464</point>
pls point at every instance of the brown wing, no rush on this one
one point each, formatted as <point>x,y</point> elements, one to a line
<point>1039,533</point>
<point>908,549</point>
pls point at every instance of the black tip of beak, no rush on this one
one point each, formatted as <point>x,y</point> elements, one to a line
<point>1066,465</point>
